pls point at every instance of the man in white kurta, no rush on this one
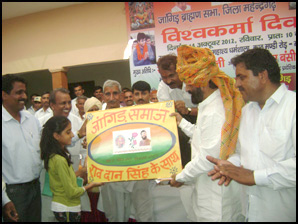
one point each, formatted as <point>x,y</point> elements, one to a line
<point>45,109</point>
<point>210,202</point>
<point>172,88</point>
<point>78,91</point>
<point>114,198</point>
<point>267,141</point>
<point>119,197</point>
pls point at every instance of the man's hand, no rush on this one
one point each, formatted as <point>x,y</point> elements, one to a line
<point>175,183</point>
<point>146,55</point>
<point>84,144</point>
<point>82,173</point>
<point>82,131</point>
<point>239,174</point>
<point>215,174</point>
<point>178,117</point>
<point>227,171</point>
<point>180,106</point>
<point>11,212</point>
<point>88,187</point>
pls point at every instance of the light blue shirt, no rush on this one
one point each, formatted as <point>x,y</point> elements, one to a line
<point>21,161</point>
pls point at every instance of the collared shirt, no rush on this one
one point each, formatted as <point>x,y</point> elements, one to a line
<point>267,145</point>
<point>21,161</point>
<point>40,113</point>
<point>211,202</point>
<point>104,106</point>
<point>31,110</point>
<point>165,93</point>
<point>74,108</point>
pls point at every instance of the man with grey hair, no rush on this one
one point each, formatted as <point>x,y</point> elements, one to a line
<point>60,103</point>
<point>112,197</point>
<point>118,197</point>
<point>112,94</point>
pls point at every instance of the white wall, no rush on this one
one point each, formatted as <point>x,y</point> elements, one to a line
<point>74,35</point>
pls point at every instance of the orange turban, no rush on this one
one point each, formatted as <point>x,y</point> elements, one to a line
<point>196,66</point>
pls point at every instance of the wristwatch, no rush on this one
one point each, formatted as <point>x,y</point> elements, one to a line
<point>79,135</point>
<point>189,111</point>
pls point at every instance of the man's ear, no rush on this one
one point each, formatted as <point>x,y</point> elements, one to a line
<point>4,95</point>
<point>264,76</point>
<point>51,106</point>
<point>56,136</point>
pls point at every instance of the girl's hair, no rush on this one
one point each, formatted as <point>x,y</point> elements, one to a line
<point>49,146</point>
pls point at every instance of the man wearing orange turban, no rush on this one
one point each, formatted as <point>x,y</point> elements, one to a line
<point>215,133</point>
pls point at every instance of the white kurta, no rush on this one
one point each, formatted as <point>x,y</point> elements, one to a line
<point>40,113</point>
<point>267,145</point>
<point>165,93</point>
<point>117,198</point>
<point>211,202</point>
<point>74,108</point>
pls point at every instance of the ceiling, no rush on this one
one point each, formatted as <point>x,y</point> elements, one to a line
<point>16,9</point>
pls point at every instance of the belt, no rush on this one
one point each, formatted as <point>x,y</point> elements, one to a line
<point>27,183</point>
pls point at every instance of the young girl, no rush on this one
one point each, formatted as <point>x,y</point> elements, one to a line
<point>56,135</point>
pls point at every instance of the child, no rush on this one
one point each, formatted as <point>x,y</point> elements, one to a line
<point>56,135</point>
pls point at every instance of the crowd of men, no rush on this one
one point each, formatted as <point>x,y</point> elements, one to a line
<point>241,131</point>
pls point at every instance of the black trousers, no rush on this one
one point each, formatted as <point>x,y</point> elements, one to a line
<point>27,200</point>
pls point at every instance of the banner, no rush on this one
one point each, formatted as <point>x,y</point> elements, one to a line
<point>133,143</point>
<point>227,28</point>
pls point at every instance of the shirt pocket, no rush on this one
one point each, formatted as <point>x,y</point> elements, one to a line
<point>273,142</point>
<point>32,139</point>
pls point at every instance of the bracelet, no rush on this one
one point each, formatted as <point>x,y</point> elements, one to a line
<point>78,133</point>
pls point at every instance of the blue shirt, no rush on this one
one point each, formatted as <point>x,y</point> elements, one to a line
<point>137,62</point>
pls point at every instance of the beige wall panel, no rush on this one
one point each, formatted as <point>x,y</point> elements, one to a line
<point>73,35</point>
